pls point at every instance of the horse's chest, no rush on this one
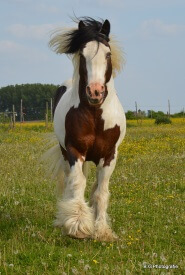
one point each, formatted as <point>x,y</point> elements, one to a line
<point>85,132</point>
<point>103,145</point>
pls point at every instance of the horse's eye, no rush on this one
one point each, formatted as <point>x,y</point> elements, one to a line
<point>108,55</point>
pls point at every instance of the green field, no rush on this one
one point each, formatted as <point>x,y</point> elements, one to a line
<point>146,207</point>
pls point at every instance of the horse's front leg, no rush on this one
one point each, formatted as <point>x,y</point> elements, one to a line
<point>74,215</point>
<point>99,201</point>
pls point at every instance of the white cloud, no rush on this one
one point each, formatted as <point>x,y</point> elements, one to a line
<point>7,46</point>
<point>13,50</point>
<point>156,27</point>
<point>31,31</point>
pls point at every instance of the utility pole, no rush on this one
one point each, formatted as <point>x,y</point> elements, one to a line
<point>136,111</point>
<point>13,109</point>
<point>168,108</point>
<point>11,121</point>
<point>136,107</point>
<point>51,110</point>
<point>46,114</point>
<point>21,114</point>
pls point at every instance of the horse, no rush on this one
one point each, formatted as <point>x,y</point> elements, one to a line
<point>89,124</point>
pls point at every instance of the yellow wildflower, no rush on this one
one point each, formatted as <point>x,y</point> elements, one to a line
<point>95,261</point>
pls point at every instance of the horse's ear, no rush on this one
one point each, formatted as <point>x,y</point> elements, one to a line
<point>105,28</point>
<point>81,25</point>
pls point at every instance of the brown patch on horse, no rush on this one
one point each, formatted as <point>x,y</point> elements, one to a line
<point>85,136</point>
<point>108,72</point>
<point>83,80</point>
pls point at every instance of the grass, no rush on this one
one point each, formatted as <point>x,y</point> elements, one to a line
<point>146,207</point>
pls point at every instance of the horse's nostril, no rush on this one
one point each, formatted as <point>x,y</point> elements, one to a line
<point>102,87</point>
<point>96,93</point>
<point>88,89</point>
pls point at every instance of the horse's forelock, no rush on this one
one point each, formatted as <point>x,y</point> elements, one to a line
<point>69,41</point>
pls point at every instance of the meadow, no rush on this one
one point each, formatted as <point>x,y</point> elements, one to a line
<point>146,206</point>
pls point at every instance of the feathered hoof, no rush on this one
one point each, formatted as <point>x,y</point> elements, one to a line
<point>76,219</point>
<point>104,233</point>
<point>79,235</point>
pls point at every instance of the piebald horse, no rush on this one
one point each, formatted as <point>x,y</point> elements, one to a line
<point>89,123</point>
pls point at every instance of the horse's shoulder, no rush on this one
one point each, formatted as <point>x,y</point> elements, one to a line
<point>113,113</point>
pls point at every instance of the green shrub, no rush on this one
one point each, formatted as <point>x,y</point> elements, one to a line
<point>163,120</point>
<point>130,115</point>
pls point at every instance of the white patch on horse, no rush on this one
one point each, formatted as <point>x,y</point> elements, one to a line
<point>113,113</point>
<point>69,99</point>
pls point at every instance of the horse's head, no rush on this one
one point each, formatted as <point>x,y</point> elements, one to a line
<point>95,66</point>
<point>96,57</point>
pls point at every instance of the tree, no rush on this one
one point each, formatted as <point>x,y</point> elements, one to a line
<point>34,98</point>
<point>130,115</point>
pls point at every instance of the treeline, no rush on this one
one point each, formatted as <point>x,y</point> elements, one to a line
<point>34,98</point>
<point>151,114</point>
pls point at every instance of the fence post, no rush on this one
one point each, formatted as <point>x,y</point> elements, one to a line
<point>46,114</point>
<point>51,110</point>
<point>21,116</point>
<point>168,108</point>
<point>13,116</point>
<point>11,121</point>
<point>136,111</point>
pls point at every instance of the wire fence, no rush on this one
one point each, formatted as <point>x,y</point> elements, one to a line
<point>27,114</point>
<point>13,117</point>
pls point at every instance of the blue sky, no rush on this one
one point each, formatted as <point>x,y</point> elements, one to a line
<point>152,33</point>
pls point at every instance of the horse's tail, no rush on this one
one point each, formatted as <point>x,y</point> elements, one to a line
<point>52,160</point>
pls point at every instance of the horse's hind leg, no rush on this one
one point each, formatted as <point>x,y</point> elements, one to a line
<point>99,201</point>
<point>74,215</point>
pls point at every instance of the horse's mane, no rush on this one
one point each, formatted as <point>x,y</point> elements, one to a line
<point>69,40</point>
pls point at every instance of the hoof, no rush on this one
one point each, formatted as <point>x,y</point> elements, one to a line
<point>104,233</point>
<point>76,218</point>
<point>79,235</point>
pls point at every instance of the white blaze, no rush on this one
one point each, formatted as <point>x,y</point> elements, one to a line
<point>96,62</point>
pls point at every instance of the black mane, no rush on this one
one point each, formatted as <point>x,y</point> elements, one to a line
<point>89,31</point>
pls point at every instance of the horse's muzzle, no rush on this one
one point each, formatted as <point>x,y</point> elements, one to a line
<point>95,93</point>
